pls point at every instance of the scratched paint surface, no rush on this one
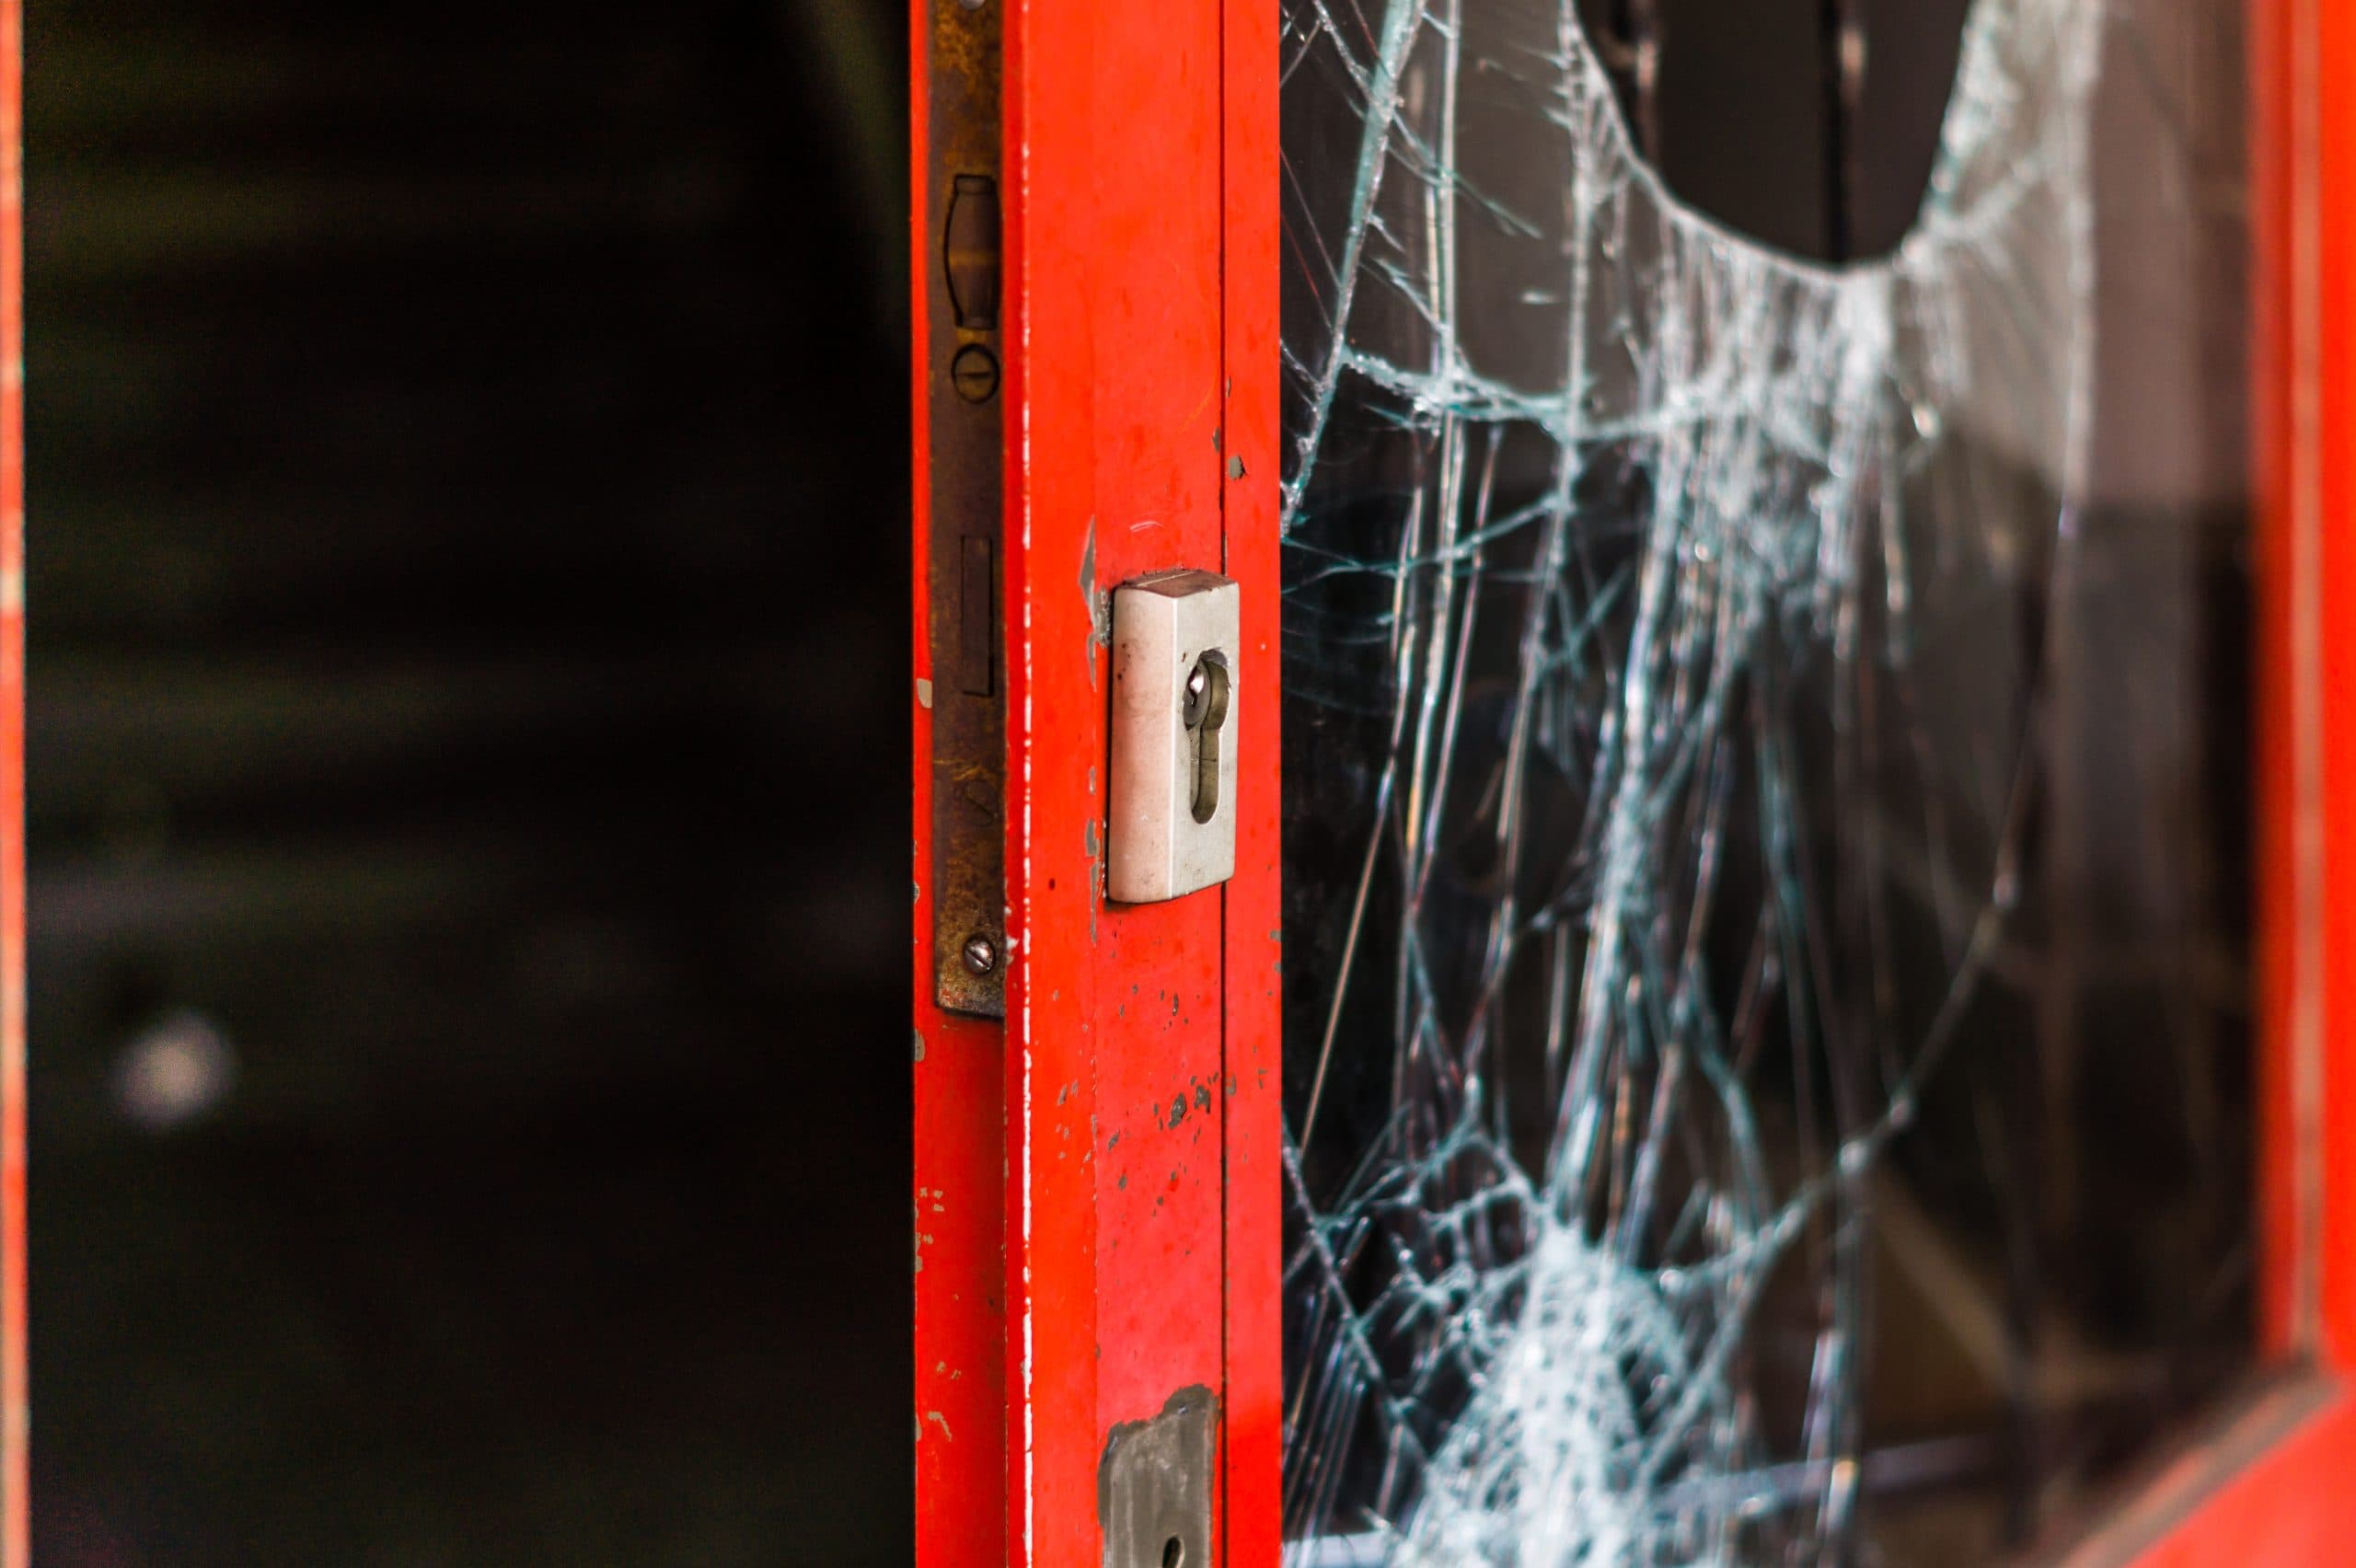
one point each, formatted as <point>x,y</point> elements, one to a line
<point>1115,1130</point>
<point>1707,821</point>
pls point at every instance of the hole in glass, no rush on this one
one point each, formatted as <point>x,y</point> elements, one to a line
<point>1810,126</point>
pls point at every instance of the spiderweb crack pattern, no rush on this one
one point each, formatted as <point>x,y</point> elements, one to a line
<point>1624,561</point>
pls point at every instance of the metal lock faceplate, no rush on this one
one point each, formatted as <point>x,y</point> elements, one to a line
<point>1153,1486</point>
<point>1175,688</point>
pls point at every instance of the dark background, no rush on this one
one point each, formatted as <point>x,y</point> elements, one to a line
<point>469,464</point>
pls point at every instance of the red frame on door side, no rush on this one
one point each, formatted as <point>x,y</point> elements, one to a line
<point>1082,1251</point>
<point>2304,214</point>
<point>2275,1484</point>
<point>16,1527</point>
<point>1097,1179</point>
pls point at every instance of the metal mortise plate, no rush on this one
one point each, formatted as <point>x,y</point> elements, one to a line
<point>1176,685</point>
<point>1153,1486</point>
<point>964,492</point>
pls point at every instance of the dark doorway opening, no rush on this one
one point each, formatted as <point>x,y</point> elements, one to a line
<point>468,455</point>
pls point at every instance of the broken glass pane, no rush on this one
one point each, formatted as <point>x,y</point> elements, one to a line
<point>1765,1064</point>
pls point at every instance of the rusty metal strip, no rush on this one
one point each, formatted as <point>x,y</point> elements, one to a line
<point>965,422</point>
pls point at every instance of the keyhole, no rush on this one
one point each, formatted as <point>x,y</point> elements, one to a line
<point>1205,715</point>
<point>1173,1553</point>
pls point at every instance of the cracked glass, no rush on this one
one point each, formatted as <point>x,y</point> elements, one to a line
<point>1765,935</point>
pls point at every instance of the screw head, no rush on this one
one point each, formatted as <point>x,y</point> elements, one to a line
<point>980,954</point>
<point>974,374</point>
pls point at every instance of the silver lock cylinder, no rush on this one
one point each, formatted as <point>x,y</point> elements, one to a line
<point>1170,827</point>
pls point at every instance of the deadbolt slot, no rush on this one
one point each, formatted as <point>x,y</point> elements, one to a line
<point>1205,715</point>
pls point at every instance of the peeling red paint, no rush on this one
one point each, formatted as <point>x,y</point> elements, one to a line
<point>1130,334</point>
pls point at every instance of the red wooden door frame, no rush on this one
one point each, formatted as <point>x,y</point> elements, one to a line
<point>16,1529</point>
<point>2275,1483</point>
<point>2303,207</point>
<point>1096,1178</point>
<point>1083,1248</point>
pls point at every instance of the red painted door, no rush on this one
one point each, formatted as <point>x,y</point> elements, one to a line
<point>1098,1087</point>
<point>1096,1092</point>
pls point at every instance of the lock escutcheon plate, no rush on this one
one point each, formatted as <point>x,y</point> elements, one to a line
<point>1153,1486</point>
<point>1176,688</point>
